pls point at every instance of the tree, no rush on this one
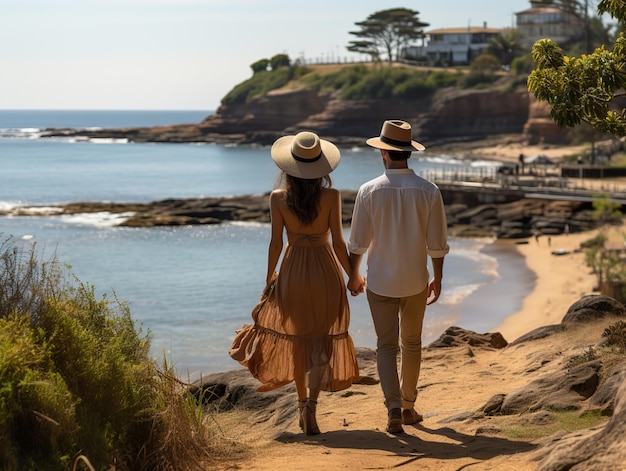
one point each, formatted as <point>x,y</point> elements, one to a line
<point>505,47</point>
<point>586,88</point>
<point>605,210</point>
<point>597,34</point>
<point>607,265</point>
<point>387,32</point>
<point>486,64</point>
<point>260,66</point>
<point>280,60</point>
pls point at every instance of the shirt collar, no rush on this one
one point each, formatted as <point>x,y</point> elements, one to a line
<point>398,171</point>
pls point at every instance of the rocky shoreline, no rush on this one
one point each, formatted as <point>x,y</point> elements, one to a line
<point>521,218</point>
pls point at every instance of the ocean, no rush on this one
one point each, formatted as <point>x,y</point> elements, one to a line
<point>193,286</point>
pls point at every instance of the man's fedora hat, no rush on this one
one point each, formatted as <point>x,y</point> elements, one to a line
<point>395,135</point>
<point>305,155</point>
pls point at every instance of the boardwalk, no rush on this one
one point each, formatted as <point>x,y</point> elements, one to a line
<point>529,186</point>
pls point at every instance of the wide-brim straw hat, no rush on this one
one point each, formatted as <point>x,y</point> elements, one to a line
<point>305,155</point>
<point>395,135</point>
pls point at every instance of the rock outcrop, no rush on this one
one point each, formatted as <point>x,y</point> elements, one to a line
<point>577,385</point>
<point>449,116</point>
<point>513,220</point>
<point>540,128</point>
<point>596,449</point>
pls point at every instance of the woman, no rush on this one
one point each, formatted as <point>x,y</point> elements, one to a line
<point>300,330</point>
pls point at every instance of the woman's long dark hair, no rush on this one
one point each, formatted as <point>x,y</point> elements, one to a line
<point>303,196</point>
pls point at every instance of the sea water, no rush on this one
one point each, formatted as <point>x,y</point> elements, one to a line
<point>193,286</point>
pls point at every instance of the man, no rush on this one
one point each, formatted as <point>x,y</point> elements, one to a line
<point>399,220</point>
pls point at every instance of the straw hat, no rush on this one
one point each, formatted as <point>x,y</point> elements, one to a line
<point>395,135</point>
<point>305,155</point>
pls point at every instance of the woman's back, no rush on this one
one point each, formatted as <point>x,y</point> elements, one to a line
<point>321,224</point>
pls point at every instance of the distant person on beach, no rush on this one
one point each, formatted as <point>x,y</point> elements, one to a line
<point>300,330</point>
<point>399,220</point>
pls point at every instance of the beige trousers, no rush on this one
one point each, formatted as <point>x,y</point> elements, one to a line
<point>398,325</point>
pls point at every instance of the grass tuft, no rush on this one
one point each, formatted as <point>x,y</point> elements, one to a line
<point>77,385</point>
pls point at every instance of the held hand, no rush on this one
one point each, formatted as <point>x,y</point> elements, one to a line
<point>356,284</point>
<point>434,290</point>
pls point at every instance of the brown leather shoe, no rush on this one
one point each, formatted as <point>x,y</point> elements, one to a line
<point>394,421</point>
<point>411,416</point>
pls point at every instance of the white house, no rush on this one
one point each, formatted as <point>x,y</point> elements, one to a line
<point>548,22</point>
<point>454,46</point>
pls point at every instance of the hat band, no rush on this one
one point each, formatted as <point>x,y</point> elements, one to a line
<point>300,159</point>
<point>393,142</point>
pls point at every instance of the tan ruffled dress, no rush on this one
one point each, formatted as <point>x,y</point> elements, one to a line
<point>301,322</point>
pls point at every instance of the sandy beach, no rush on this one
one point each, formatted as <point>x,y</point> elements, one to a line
<point>453,383</point>
<point>561,280</point>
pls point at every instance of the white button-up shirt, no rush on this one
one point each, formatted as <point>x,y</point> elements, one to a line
<point>399,219</point>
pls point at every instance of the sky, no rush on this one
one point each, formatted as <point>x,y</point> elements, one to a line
<point>182,54</point>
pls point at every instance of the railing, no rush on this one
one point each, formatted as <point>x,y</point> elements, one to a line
<point>533,186</point>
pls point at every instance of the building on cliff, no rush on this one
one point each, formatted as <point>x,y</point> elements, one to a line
<point>460,45</point>
<point>454,46</point>
<point>544,20</point>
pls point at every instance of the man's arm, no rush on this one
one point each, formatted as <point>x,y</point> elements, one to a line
<point>434,287</point>
<point>356,283</point>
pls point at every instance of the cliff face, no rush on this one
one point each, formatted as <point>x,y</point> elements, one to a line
<point>540,127</point>
<point>454,116</point>
<point>446,117</point>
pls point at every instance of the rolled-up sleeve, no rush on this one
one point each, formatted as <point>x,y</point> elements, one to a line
<point>360,228</point>
<point>437,234</point>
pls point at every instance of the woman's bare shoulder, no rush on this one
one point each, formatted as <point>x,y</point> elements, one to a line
<point>278,194</point>
<point>331,195</point>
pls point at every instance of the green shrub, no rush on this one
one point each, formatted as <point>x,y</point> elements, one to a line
<point>477,79</point>
<point>587,355</point>
<point>595,242</point>
<point>441,79</point>
<point>616,335</point>
<point>387,83</point>
<point>261,83</point>
<point>37,412</point>
<point>260,66</point>
<point>345,77</point>
<point>280,60</point>
<point>76,379</point>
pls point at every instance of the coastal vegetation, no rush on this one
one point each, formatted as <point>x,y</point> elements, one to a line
<point>77,383</point>
<point>365,81</point>
<point>386,35</point>
<point>586,88</point>
<point>608,265</point>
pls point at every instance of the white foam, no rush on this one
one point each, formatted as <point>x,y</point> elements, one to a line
<point>99,219</point>
<point>452,296</point>
<point>7,206</point>
<point>246,223</point>
<point>23,133</point>
<point>485,163</point>
<point>107,140</point>
<point>39,210</point>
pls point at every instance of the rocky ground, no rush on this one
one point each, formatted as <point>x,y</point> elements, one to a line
<point>488,405</point>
